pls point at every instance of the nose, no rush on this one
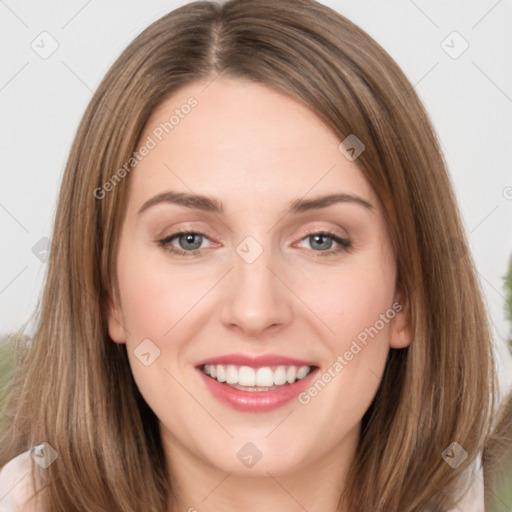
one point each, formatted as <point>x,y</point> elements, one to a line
<point>257,299</point>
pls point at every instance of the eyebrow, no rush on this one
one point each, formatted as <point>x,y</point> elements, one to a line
<point>210,204</point>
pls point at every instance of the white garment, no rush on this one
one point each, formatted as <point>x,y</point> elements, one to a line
<point>15,485</point>
<point>474,500</point>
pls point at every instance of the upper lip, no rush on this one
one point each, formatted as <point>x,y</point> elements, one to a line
<point>256,361</point>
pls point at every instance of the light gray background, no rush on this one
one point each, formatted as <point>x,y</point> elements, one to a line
<point>469,99</point>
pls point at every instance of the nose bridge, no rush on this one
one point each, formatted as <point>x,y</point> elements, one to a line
<point>257,298</point>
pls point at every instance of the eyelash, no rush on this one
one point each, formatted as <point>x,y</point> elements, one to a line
<point>343,243</point>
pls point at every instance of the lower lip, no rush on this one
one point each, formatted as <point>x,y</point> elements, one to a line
<point>256,401</point>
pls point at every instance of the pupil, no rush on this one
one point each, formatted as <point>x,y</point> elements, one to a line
<point>316,237</point>
<point>189,239</point>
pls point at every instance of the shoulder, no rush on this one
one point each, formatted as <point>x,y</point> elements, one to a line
<point>474,499</point>
<point>16,485</point>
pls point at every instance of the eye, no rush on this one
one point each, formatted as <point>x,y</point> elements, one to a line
<point>190,243</point>
<point>322,241</point>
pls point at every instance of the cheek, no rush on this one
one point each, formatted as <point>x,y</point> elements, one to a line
<point>356,303</point>
<point>351,300</point>
<point>155,298</point>
<point>154,301</point>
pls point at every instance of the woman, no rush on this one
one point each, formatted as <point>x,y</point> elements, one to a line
<point>259,293</point>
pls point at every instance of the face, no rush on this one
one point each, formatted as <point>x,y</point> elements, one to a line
<point>288,300</point>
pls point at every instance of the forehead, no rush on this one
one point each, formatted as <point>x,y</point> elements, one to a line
<point>242,140</point>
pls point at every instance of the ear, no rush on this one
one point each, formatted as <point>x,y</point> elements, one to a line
<point>116,329</point>
<point>401,323</point>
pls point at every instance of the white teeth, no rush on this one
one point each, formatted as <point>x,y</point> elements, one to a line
<point>280,375</point>
<point>246,376</point>
<point>221,373</point>
<point>231,375</point>
<point>264,377</point>
<point>291,374</point>
<point>302,372</point>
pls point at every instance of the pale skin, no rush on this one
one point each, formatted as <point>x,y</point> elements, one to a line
<point>255,150</point>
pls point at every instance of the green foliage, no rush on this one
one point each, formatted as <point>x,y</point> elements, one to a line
<point>508,290</point>
<point>502,497</point>
<point>6,370</point>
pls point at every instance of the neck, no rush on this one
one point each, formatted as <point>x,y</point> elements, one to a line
<point>198,486</point>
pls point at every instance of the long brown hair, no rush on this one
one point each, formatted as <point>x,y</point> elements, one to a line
<point>73,387</point>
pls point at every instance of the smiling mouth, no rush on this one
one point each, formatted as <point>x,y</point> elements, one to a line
<point>247,378</point>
